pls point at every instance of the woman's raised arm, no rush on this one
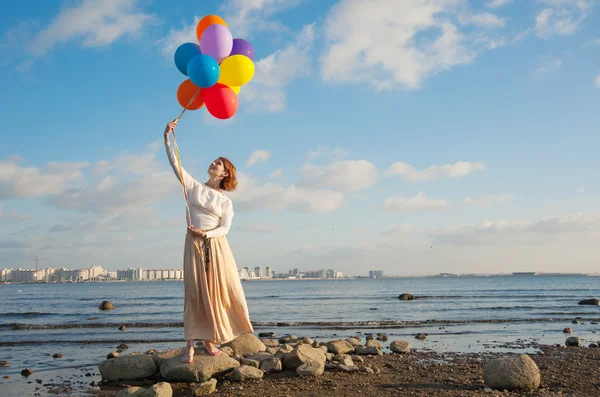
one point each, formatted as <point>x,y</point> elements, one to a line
<point>187,178</point>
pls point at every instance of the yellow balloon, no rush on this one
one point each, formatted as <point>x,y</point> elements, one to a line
<point>236,70</point>
<point>235,89</point>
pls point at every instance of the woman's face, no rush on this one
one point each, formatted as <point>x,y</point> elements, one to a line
<point>217,169</point>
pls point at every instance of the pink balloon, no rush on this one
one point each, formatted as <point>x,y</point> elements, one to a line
<point>217,42</point>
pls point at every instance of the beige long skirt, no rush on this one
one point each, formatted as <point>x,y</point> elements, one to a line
<point>215,307</point>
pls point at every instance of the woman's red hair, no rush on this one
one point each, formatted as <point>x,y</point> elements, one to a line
<point>229,183</point>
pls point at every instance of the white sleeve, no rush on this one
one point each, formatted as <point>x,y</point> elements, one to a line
<point>225,223</point>
<point>187,178</point>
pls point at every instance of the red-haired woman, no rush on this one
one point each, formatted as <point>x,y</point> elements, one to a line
<point>215,308</point>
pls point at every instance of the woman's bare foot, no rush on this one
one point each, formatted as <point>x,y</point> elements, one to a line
<point>188,357</point>
<point>212,349</point>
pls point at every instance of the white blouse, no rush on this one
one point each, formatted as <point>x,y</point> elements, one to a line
<point>210,209</point>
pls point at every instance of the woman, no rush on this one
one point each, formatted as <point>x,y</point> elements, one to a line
<point>215,309</point>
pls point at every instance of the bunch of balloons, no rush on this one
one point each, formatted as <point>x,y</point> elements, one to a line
<point>216,68</point>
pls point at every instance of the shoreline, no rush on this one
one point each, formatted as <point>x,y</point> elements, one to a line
<point>420,372</point>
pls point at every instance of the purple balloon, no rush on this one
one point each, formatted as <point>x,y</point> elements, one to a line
<point>242,47</point>
<point>216,41</point>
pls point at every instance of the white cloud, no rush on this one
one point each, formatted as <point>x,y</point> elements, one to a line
<point>408,173</point>
<point>347,176</point>
<point>22,181</point>
<point>251,195</point>
<point>520,232</point>
<point>404,228</point>
<point>402,42</point>
<point>488,199</point>
<point>548,68</point>
<point>561,17</point>
<point>413,204</point>
<point>260,228</point>
<point>97,23</point>
<point>245,16</point>
<point>266,91</point>
<point>580,189</point>
<point>498,3</point>
<point>597,81</point>
<point>258,155</point>
<point>484,20</point>
<point>278,173</point>
<point>332,154</point>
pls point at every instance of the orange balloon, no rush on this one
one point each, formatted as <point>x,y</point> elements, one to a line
<point>186,92</point>
<point>206,22</point>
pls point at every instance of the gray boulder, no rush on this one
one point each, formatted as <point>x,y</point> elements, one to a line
<point>406,297</point>
<point>106,305</point>
<point>594,302</point>
<point>245,372</point>
<point>303,354</point>
<point>201,369</point>
<point>368,351</point>
<point>311,369</point>
<point>205,388</point>
<point>340,346</point>
<point>573,341</point>
<point>400,346</point>
<point>132,391</point>
<point>512,373</point>
<point>270,365</point>
<point>246,344</point>
<point>127,368</point>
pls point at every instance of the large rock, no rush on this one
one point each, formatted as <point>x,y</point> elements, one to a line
<point>201,369</point>
<point>406,297</point>
<point>400,346</point>
<point>368,351</point>
<point>303,354</point>
<point>311,369</point>
<point>512,373</point>
<point>162,357</point>
<point>353,341</point>
<point>595,302</point>
<point>271,365</point>
<point>206,388</point>
<point>127,368</point>
<point>132,391</point>
<point>106,305</point>
<point>270,342</point>
<point>161,389</point>
<point>246,344</point>
<point>373,343</point>
<point>573,341</point>
<point>340,346</point>
<point>246,372</point>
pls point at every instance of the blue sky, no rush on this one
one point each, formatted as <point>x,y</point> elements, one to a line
<point>416,136</point>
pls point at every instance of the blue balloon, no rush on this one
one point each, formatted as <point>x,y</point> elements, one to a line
<point>184,54</point>
<point>204,71</point>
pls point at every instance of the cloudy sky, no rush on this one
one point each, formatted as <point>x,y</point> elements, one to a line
<point>413,136</point>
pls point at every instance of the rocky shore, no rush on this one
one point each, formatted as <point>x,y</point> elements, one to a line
<point>300,366</point>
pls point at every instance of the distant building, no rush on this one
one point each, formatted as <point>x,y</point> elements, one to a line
<point>269,272</point>
<point>258,272</point>
<point>375,273</point>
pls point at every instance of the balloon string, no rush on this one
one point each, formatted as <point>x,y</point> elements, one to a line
<point>187,206</point>
<point>187,106</point>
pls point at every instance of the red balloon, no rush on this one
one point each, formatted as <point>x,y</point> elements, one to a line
<point>221,101</point>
